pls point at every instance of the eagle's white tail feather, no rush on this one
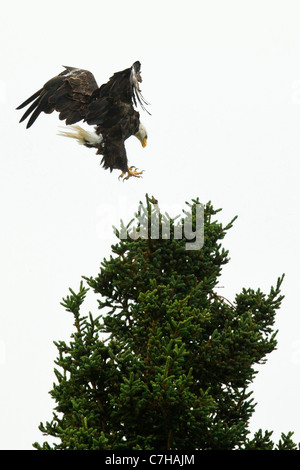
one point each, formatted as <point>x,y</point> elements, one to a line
<point>81,135</point>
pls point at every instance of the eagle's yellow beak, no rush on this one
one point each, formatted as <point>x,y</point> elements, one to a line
<point>144,142</point>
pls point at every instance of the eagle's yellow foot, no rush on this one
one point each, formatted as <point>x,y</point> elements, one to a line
<point>131,172</point>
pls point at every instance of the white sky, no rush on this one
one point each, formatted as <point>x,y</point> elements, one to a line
<point>223,80</point>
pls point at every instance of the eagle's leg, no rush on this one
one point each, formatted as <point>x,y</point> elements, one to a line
<point>131,172</point>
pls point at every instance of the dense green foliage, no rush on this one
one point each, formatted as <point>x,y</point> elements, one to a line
<point>168,362</point>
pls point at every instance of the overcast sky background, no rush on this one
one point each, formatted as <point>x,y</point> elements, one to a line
<point>223,80</point>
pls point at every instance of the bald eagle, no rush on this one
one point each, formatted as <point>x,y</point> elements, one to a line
<point>74,93</point>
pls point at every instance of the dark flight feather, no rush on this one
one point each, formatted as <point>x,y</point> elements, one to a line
<point>35,95</point>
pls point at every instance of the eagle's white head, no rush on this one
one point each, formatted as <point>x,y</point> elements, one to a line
<point>142,135</point>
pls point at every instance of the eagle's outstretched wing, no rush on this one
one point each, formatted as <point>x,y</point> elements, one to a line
<point>124,86</point>
<point>115,99</point>
<point>69,93</point>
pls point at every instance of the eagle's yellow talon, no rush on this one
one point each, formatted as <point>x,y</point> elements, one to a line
<point>131,172</point>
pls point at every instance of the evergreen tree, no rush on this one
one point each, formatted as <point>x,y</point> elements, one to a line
<point>168,362</point>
